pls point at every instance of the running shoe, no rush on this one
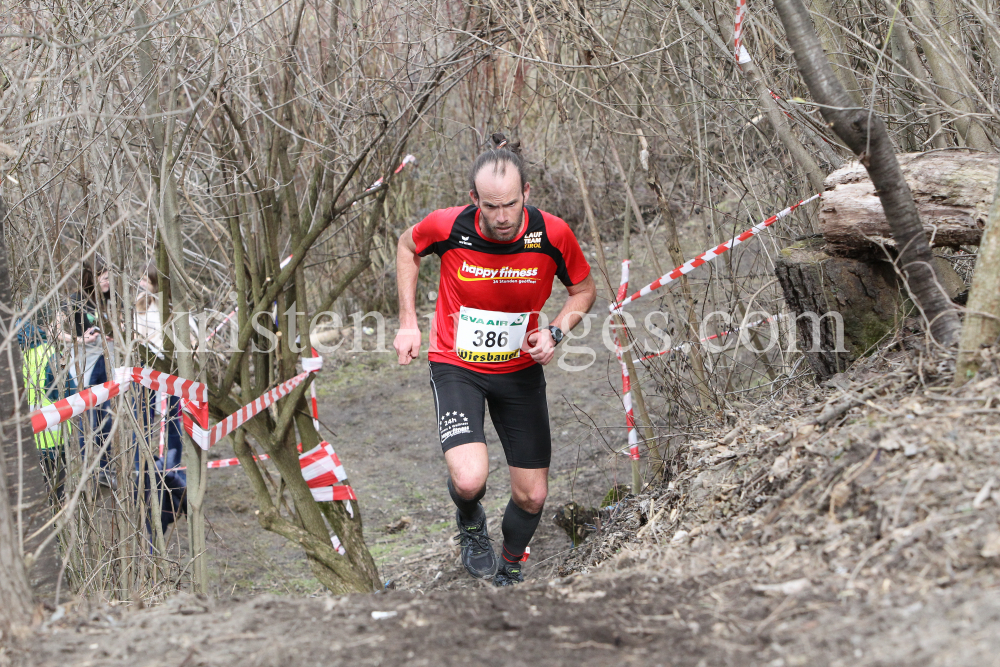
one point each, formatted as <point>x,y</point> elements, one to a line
<point>477,551</point>
<point>508,574</point>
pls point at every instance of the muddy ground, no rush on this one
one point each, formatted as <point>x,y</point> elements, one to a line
<point>379,417</point>
<point>872,538</point>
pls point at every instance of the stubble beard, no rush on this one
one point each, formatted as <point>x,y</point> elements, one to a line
<point>490,231</point>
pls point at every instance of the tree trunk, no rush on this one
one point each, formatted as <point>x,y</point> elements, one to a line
<point>27,486</point>
<point>828,33</point>
<point>953,191</point>
<point>865,134</point>
<point>945,63</point>
<point>905,53</point>
<point>169,228</point>
<point>15,593</point>
<point>982,317</point>
<point>863,300</point>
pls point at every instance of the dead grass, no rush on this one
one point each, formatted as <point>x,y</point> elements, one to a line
<point>845,525</point>
<point>884,479</point>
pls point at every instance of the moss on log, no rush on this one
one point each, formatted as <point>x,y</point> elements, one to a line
<point>843,306</point>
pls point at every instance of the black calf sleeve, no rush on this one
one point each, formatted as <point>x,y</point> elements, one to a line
<point>518,527</point>
<point>470,510</point>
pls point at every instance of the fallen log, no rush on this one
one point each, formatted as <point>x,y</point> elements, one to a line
<point>953,190</point>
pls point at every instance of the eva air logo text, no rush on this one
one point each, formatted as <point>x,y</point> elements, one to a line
<point>490,322</point>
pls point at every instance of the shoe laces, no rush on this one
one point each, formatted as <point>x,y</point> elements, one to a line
<point>505,576</point>
<point>477,540</point>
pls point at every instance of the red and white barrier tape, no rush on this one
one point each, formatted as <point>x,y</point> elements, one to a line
<point>333,460</point>
<point>164,409</point>
<point>623,284</point>
<point>188,390</point>
<point>707,256</point>
<point>229,463</point>
<point>406,160</point>
<point>328,494</point>
<point>205,437</point>
<point>633,435</point>
<point>739,51</point>
<point>315,406</point>
<point>621,301</point>
<point>50,416</point>
<point>721,334</point>
<point>321,467</point>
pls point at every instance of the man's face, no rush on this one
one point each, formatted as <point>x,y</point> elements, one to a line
<point>501,202</point>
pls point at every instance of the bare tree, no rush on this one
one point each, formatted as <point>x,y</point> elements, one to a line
<point>15,593</point>
<point>864,132</point>
<point>221,140</point>
<point>285,155</point>
<point>982,315</point>
<point>240,151</point>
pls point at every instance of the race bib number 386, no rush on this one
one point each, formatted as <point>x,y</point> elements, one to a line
<point>489,337</point>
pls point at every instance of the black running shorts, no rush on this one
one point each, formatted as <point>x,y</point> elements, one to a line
<point>518,409</point>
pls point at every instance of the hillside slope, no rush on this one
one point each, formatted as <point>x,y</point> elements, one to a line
<point>852,524</point>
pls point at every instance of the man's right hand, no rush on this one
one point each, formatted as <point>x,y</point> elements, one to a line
<point>407,344</point>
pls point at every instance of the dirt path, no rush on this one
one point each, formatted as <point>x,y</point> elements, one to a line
<point>379,416</point>
<point>686,582</point>
<point>628,616</point>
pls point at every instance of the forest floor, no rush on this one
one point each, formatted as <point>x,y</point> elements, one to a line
<point>853,523</point>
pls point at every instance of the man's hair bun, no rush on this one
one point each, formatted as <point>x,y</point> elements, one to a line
<point>500,141</point>
<point>501,154</point>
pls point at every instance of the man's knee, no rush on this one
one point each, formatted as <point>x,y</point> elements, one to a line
<point>530,500</point>
<point>468,484</point>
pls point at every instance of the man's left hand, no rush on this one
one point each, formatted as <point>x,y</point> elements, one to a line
<point>540,345</point>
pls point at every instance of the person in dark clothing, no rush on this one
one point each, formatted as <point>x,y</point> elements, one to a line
<point>170,481</point>
<point>82,325</point>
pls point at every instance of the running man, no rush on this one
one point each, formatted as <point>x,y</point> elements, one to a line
<point>498,261</point>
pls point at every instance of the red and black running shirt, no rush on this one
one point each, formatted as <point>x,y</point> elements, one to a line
<point>507,277</point>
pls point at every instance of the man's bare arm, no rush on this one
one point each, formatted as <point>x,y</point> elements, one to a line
<point>407,342</point>
<point>581,298</point>
<point>582,295</point>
